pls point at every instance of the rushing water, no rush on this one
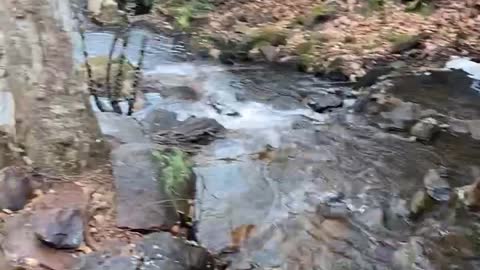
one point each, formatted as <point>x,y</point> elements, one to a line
<point>332,191</point>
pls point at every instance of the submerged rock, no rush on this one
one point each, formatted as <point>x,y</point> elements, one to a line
<point>15,189</point>
<point>138,190</point>
<point>59,228</point>
<point>412,256</point>
<point>420,203</point>
<point>437,187</point>
<point>425,129</point>
<point>323,102</point>
<point>403,115</point>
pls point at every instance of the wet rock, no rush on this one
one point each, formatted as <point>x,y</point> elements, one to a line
<point>396,214</point>
<point>412,256</point>
<point>474,129</point>
<point>192,132</point>
<point>163,251</point>
<point>158,119</point>
<point>436,186</point>
<point>269,52</point>
<point>156,251</point>
<point>120,129</point>
<point>15,189</point>
<point>185,92</point>
<point>371,77</point>
<point>373,218</point>
<point>402,116</point>
<point>425,129</point>
<point>138,189</point>
<point>470,194</point>
<point>7,114</point>
<point>107,261</point>
<point>20,243</point>
<point>221,108</point>
<point>458,126</point>
<point>323,102</point>
<point>59,228</point>
<point>420,203</point>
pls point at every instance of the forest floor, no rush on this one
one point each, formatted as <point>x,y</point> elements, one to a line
<point>346,37</point>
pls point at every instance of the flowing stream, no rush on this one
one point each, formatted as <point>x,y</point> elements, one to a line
<point>321,190</point>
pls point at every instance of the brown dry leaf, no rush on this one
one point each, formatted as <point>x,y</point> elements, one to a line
<point>241,234</point>
<point>85,249</point>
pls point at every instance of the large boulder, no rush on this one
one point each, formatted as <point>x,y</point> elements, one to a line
<point>142,201</point>
<point>15,189</point>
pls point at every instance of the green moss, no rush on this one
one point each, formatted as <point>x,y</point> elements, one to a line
<point>306,61</point>
<point>271,35</point>
<point>320,12</point>
<point>423,7</point>
<point>375,4</point>
<point>175,176</point>
<point>398,38</point>
<point>304,48</point>
<point>184,11</point>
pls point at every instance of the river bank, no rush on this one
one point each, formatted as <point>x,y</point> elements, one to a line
<point>336,39</point>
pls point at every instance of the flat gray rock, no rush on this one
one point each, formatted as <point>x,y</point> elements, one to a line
<point>138,192</point>
<point>120,129</point>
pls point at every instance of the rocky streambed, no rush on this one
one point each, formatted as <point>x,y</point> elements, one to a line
<point>252,167</point>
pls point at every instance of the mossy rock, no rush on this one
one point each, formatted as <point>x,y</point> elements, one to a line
<point>185,12</point>
<point>319,14</point>
<point>306,62</point>
<point>176,177</point>
<point>405,42</point>
<point>304,48</point>
<point>269,34</point>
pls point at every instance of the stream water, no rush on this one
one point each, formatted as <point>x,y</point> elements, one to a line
<point>320,190</point>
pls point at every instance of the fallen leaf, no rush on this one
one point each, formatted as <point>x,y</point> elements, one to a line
<point>240,235</point>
